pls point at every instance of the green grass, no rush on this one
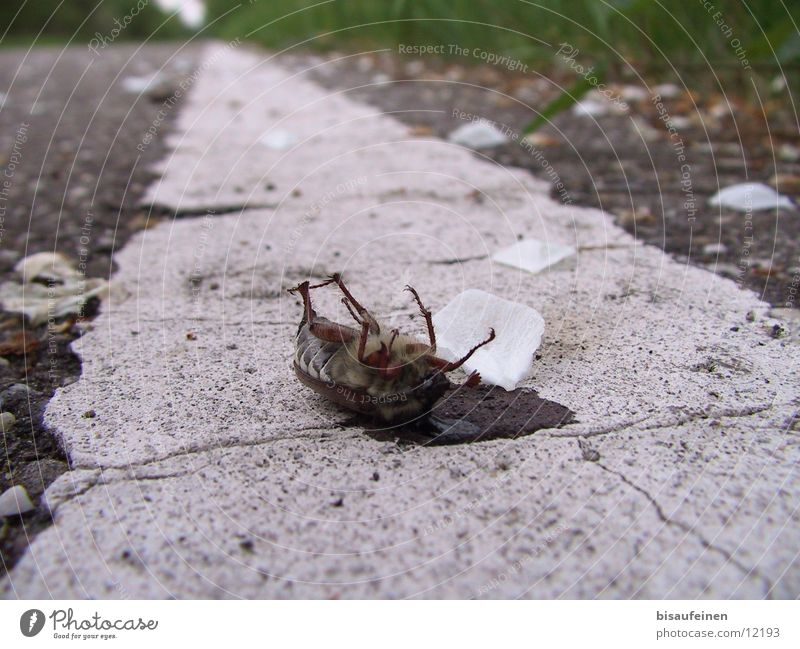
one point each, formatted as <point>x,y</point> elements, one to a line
<point>619,33</point>
<point>642,34</point>
<point>47,22</point>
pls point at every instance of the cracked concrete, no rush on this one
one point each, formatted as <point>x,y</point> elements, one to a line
<point>208,471</point>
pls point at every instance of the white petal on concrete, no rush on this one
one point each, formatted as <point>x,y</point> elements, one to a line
<point>15,501</point>
<point>633,93</point>
<point>481,134</point>
<point>679,122</point>
<point>598,104</point>
<point>137,84</point>
<point>667,90</point>
<point>156,84</point>
<point>38,303</point>
<point>45,265</point>
<point>745,197</point>
<point>591,108</point>
<point>278,139</point>
<point>66,294</point>
<point>533,255</point>
<point>715,249</point>
<point>466,321</point>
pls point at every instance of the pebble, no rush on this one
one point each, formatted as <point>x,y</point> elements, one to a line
<point>776,329</point>
<point>667,90</point>
<point>478,135</point>
<point>15,501</point>
<point>715,249</point>
<point>679,122</point>
<point>16,394</point>
<point>746,197</point>
<point>788,323</point>
<point>789,153</point>
<point>789,183</point>
<point>7,421</point>
<point>8,258</point>
<point>105,243</point>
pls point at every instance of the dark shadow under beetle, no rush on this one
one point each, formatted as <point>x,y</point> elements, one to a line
<point>466,415</point>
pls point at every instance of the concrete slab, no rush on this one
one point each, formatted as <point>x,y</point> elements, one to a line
<point>208,471</point>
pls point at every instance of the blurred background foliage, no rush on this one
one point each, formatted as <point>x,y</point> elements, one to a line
<point>24,22</point>
<point>652,33</point>
<point>651,36</point>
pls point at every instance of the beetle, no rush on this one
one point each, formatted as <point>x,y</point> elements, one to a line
<point>382,373</point>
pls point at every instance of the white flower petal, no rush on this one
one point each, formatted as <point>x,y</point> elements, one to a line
<point>533,255</point>
<point>466,321</point>
<point>478,135</point>
<point>746,197</point>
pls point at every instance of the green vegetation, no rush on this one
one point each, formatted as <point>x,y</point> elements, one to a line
<point>24,22</point>
<point>655,34</point>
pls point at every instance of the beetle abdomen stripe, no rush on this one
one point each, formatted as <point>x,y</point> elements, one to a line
<point>313,355</point>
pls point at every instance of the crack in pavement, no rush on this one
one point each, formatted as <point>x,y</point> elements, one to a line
<point>100,473</point>
<point>690,531</point>
<point>666,421</point>
<point>187,452</point>
<point>218,210</point>
<point>105,477</point>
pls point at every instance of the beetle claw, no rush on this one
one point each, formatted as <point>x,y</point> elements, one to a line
<point>473,380</point>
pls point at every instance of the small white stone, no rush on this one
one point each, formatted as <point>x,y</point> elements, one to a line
<point>778,84</point>
<point>533,255</point>
<point>715,249</point>
<point>789,152</point>
<point>278,140</point>
<point>155,84</point>
<point>15,501</point>
<point>466,321</point>
<point>746,197</point>
<point>647,132</point>
<point>7,421</point>
<point>667,90</point>
<point>633,94</point>
<point>679,122</point>
<point>590,108</point>
<point>478,135</point>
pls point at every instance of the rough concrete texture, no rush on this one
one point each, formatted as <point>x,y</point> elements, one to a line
<point>208,471</point>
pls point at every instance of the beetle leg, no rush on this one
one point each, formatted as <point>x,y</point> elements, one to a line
<point>417,348</point>
<point>325,283</point>
<point>352,313</point>
<point>362,341</point>
<point>374,327</point>
<point>395,334</point>
<point>322,328</point>
<point>391,371</point>
<point>447,366</point>
<point>425,314</point>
